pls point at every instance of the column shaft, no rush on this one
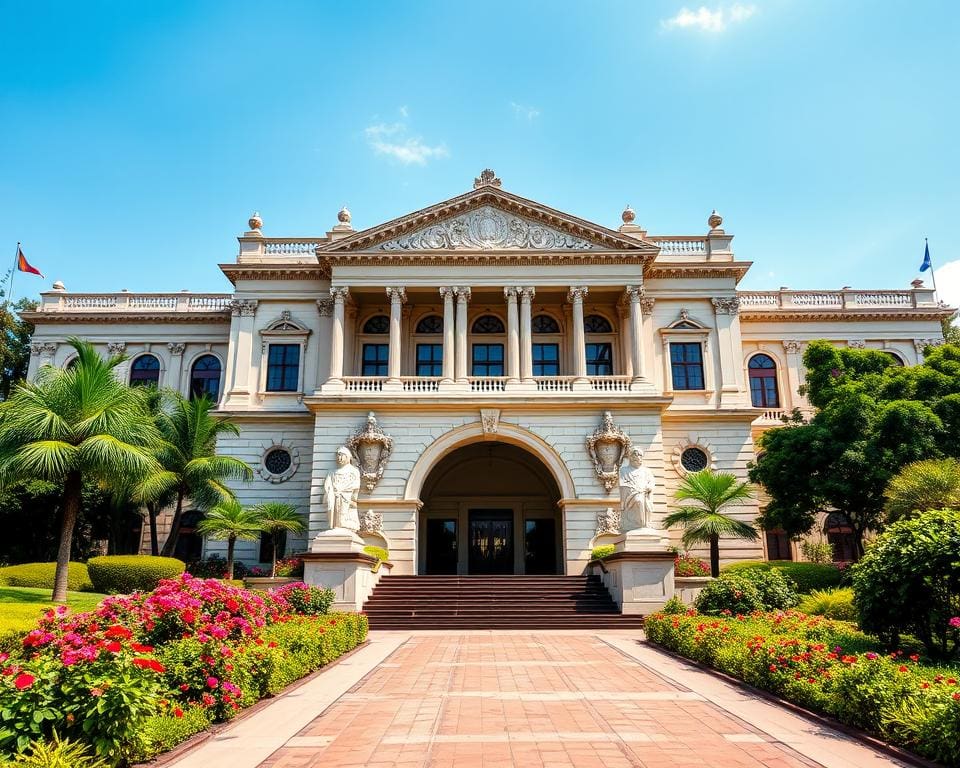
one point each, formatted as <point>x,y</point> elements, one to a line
<point>463,296</point>
<point>575,296</point>
<point>636,331</point>
<point>397,298</point>
<point>526,334</point>
<point>513,334</point>
<point>449,333</point>
<point>339,295</point>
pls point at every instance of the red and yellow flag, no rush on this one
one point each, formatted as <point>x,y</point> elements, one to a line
<point>24,266</point>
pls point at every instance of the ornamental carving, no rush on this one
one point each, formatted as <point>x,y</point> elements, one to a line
<point>371,522</point>
<point>243,307</point>
<point>490,420</point>
<point>726,306</point>
<point>372,447</point>
<point>646,305</point>
<point>397,295</point>
<point>43,348</point>
<point>856,344</point>
<point>792,347</point>
<point>116,347</point>
<point>487,177</point>
<point>487,228</point>
<point>608,521</point>
<point>176,348</point>
<point>577,293</point>
<point>922,344</point>
<point>607,447</point>
<point>325,307</point>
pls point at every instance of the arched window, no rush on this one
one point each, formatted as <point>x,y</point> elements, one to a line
<point>145,371</point>
<point>841,537</point>
<point>599,353</point>
<point>544,324</point>
<point>596,324</point>
<point>430,324</point>
<point>763,382</point>
<point>488,324</point>
<point>377,324</point>
<point>205,377</point>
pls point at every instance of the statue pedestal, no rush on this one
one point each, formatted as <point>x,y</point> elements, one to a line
<point>639,573</point>
<point>336,560</point>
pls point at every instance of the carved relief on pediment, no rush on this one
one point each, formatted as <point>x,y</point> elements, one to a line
<point>488,228</point>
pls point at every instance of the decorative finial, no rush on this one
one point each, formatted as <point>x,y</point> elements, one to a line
<point>628,215</point>
<point>487,177</point>
<point>255,222</point>
<point>715,220</point>
<point>344,215</point>
<point>918,283</point>
<point>58,285</point>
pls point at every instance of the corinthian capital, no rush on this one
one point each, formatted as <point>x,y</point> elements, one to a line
<point>446,291</point>
<point>511,292</point>
<point>577,293</point>
<point>633,292</point>
<point>527,293</point>
<point>339,293</point>
<point>463,293</point>
<point>726,305</point>
<point>397,295</point>
<point>325,307</point>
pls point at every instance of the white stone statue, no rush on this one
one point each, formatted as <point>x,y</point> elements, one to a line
<point>636,486</point>
<point>341,489</point>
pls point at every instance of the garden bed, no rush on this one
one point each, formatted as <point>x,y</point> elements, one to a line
<point>827,667</point>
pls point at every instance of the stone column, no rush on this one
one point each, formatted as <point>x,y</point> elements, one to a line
<point>245,310</point>
<point>339,295</point>
<point>463,297</point>
<point>733,390</point>
<point>398,297</point>
<point>526,333</point>
<point>794,374</point>
<point>513,334</point>
<point>575,296</point>
<point>448,333</point>
<point>175,372</point>
<point>634,294</point>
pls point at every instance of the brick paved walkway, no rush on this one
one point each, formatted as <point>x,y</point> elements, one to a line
<point>537,699</point>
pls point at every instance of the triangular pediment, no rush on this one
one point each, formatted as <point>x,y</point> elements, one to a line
<point>489,219</point>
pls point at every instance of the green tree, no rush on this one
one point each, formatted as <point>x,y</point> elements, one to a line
<point>188,463</point>
<point>922,486</point>
<point>278,519</point>
<point>75,424</point>
<point>703,520</point>
<point>231,521</point>
<point>873,417</point>
<point>15,334</point>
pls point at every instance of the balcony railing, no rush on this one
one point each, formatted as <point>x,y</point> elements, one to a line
<point>420,383</point>
<point>487,383</point>
<point>681,245</point>
<point>123,301</point>
<point>840,300</point>
<point>482,385</point>
<point>554,383</point>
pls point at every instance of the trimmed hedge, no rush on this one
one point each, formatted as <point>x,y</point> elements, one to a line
<point>602,551</point>
<point>122,574</point>
<point>40,575</point>
<point>832,603</point>
<point>807,576</point>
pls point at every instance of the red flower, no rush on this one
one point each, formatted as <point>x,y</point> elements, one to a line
<point>153,664</point>
<point>141,648</point>
<point>902,668</point>
<point>96,692</point>
<point>23,681</point>
<point>118,632</point>
<point>178,712</point>
<point>914,657</point>
<point>184,687</point>
<point>212,682</point>
<point>232,605</point>
<point>113,646</point>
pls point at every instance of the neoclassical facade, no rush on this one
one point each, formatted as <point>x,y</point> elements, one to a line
<point>488,360</point>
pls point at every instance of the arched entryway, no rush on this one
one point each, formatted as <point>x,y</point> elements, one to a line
<point>490,508</point>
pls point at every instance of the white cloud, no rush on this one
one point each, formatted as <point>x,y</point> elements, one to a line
<point>948,282</point>
<point>707,20</point>
<point>524,112</point>
<point>392,140</point>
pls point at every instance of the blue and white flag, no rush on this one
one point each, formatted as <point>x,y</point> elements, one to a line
<point>926,259</point>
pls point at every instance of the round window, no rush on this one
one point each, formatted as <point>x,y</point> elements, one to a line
<point>694,459</point>
<point>277,461</point>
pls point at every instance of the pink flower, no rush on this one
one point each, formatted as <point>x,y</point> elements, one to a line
<point>23,681</point>
<point>955,622</point>
<point>212,682</point>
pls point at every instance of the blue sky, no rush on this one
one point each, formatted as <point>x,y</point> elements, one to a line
<point>136,138</point>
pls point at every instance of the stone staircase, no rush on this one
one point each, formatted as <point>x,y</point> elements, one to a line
<point>494,602</point>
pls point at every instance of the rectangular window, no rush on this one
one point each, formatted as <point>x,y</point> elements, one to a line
<point>778,546</point>
<point>487,360</point>
<point>546,359</point>
<point>266,546</point>
<point>599,359</point>
<point>375,357</point>
<point>686,362</point>
<point>763,392</point>
<point>429,359</point>
<point>283,368</point>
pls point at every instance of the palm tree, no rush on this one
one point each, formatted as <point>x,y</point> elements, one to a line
<point>277,518</point>
<point>231,521</point>
<point>703,521</point>
<point>72,425</point>
<point>189,464</point>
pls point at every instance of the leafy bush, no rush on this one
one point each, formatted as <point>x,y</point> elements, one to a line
<point>831,603</point>
<point>40,575</point>
<point>817,551</point>
<point>776,591</point>
<point>306,599</point>
<point>909,582</point>
<point>602,551</point>
<point>293,566</point>
<point>923,486</point>
<point>121,574</point>
<point>826,666</point>
<point>731,593</point>
<point>674,606</point>
<point>806,576</point>
<point>687,565</point>
<point>163,732</point>
<point>57,754</point>
<point>215,567</point>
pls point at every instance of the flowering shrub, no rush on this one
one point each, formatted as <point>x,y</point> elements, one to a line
<point>215,567</point>
<point>821,664</point>
<point>122,677</point>
<point>290,566</point>
<point>305,599</point>
<point>731,594</point>
<point>687,565</point>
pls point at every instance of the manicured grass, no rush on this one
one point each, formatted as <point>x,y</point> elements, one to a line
<point>21,606</point>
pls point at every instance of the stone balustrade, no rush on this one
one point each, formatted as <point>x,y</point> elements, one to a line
<point>681,245</point>
<point>123,301</point>
<point>845,299</point>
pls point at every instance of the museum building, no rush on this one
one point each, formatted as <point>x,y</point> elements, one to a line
<point>488,360</point>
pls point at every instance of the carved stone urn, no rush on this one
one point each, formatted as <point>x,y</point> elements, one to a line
<point>607,446</point>
<point>372,447</point>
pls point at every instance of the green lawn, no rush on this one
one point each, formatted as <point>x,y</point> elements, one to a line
<point>20,606</point>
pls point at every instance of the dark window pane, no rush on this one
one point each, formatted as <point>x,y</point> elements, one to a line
<point>762,372</point>
<point>283,367</point>
<point>145,371</point>
<point>487,360</point>
<point>375,357</point>
<point>686,363</point>
<point>488,324</point>
<point>546,359</point>
<point>430,324</point>
<point>596,324</point>
<point>762,361</point>
<point>377,324</point>
<point>429,359</point>
<point>205,378</point>
<point>599,359</point>
<point>545,324</point>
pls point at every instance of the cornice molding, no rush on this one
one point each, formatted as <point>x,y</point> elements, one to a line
<point>113,318</point>
<point>236,272</point>
<point>695,269</point>
<point>819,315</point>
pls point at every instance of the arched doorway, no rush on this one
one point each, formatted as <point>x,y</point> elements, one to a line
<point>490,508</point>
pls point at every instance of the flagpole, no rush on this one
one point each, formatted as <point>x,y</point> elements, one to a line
<point>933,272</point>
<point>16,261</point>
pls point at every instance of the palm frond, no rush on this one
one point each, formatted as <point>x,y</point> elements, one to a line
<point>230,519</point>
<point>275,516</point>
